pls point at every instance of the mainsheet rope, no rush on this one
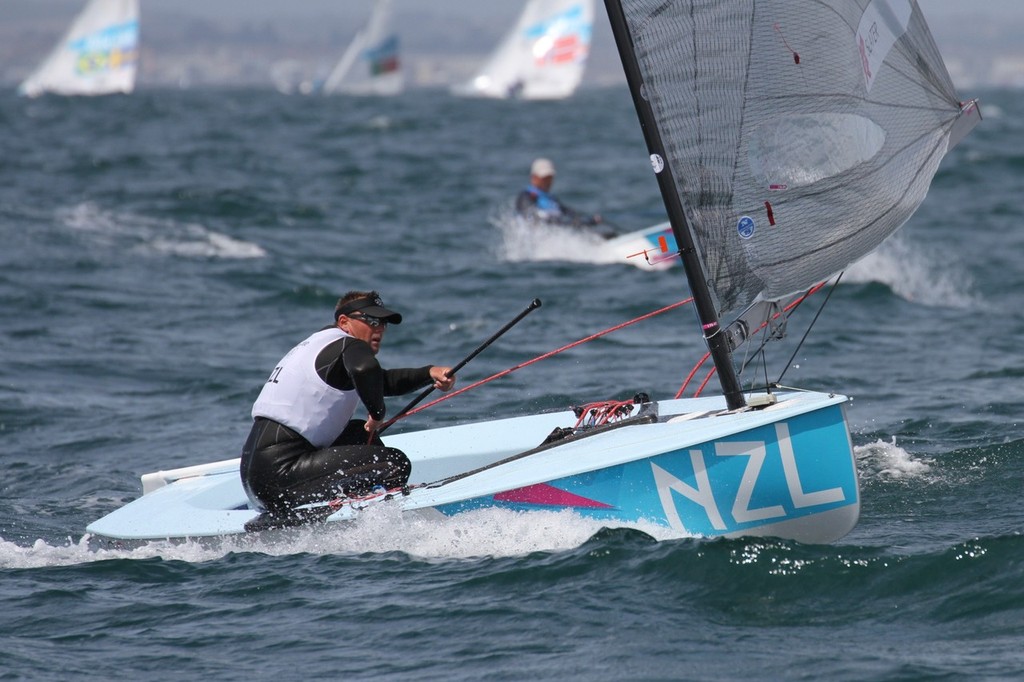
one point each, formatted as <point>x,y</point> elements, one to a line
<point>547,355</point>
<point>785,311</point>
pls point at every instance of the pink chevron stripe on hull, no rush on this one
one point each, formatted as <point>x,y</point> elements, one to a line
<point>542,493</point>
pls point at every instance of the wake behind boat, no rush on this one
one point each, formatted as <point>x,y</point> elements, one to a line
<point>788,139</point>
<point>650,248</point>
<point>98,55</point>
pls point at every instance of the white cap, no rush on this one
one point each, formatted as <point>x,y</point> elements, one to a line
<point>542,168</point>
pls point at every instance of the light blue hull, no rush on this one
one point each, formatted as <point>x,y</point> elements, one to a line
<point>786,470</point>
<point>652,248</point>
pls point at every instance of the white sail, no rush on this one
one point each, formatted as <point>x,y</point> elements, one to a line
<point>98,56</point>
<point>543,57</point>
<point>370,65</point>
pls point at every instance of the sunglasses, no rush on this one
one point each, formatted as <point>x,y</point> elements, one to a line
<point>370,320</point>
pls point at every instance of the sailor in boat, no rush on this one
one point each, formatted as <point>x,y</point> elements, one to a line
<point>515,90</point>
<point>537,204</point>
<point>305,446</point>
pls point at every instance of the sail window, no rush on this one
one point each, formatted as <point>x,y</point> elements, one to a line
<point>800,150</point>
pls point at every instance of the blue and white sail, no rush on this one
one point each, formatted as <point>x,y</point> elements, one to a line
<point>543,57</point>
<point>371,64</point>
<point>99,55</point>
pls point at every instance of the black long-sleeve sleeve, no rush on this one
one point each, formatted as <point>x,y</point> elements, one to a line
<point>350,363</point>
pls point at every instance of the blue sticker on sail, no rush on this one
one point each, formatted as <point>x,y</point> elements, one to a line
<point>746,227</point>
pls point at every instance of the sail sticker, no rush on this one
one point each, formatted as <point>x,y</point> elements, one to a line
<point>560,39</point>
<point>881,25</point>
<point>746,227</point>
<point>548,495</point>
<point>762,475</point>
<point>657,163</point>
<point>109,49</point>
<point>383,57</point>
<point>123,36</point>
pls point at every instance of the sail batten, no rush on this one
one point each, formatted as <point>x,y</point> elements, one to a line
<point>800,133</point>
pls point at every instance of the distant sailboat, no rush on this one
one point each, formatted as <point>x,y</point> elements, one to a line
<point>370,65</point>
<point>98,56</point>
<point>543,57</point>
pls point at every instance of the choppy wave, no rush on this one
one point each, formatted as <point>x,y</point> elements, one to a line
<point>749,581</point>
<point>889,461</point>
<point>145,234</point>
<point>380,530</point>
<point>914,275</point>
<point>202,233</point>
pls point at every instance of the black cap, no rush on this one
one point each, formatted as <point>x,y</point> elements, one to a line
<point>368,305</point>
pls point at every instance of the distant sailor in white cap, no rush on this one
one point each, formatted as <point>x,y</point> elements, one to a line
<point>538,204</point>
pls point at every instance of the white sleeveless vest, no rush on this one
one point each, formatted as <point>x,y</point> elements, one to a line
<point>297,397</point>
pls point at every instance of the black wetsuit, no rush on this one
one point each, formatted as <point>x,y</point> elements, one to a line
<point>281,469</point>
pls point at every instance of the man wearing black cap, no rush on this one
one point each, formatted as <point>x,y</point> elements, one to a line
<point>304,445</point>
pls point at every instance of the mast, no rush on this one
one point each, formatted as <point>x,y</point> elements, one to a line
<point>344,64</point>
<point>716,341</point>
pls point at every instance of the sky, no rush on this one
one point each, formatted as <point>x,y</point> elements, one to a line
<point>1010,9</point>
<point>497,11</point>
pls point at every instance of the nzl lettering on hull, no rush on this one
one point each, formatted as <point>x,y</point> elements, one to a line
<point>770,474</point>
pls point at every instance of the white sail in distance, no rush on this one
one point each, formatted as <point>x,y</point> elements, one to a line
<point>543,57</point>
<point>370,64</point>
<point>98,55</point>
<point>799,134</point>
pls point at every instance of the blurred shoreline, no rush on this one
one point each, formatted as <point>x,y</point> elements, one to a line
<point>442,44</point>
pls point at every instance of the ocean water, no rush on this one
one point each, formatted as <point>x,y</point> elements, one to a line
<point>162,251</point>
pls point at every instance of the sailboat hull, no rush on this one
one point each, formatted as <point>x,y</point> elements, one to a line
<point>786,470</point>
<point>758,481</point>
